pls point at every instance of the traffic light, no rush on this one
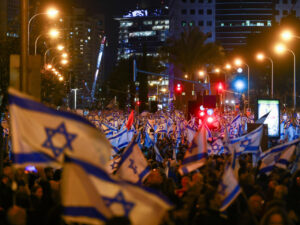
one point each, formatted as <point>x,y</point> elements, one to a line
<point>178,88</point>
<point>220,87</point>
<point>138,103</point>
<point>210,119</point>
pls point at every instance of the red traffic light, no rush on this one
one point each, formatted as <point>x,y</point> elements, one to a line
<point>220,87</point>
<point>210,119</point>
<point>138,103</point>
<point>178,88</point>
<point>201,114</point>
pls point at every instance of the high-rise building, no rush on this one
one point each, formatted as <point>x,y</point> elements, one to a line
<point>9,18</point>
<point>236,19</point>
<point>142,31</point>
<point>192,13</point>
<point>286,7</point>
<point>84,35</point>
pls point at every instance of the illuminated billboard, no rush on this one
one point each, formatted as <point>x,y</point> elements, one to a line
<point>273,120</point>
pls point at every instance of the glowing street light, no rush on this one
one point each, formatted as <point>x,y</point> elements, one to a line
<point>53,33</point>
<point>201,73</point>
<point>286,35</point>
<point>280,48</point>
<point>186,76</point>
<point>228,66</point>
<point>60,78</point>
<point>64,61</point>
<point>238,62</point>
<point>217,70</point>
<point>60,47</point>
<point>52,13</point>
<point>163,90</point>
<point>64,55</point>
<point>49,67</point>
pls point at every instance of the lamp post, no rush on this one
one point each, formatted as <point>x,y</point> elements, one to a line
<point>53,34</point>
<point>59,48</point>
<point>202,74</point>
<point>51,13</point>
<point>261,56</point>
<point>239,62</point>
<point>280,48</point>
<point>75,96</point>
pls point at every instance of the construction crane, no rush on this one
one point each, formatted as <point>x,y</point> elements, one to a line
<point>98,67</point>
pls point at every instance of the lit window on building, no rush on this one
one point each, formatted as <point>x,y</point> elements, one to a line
<point>147,22</point>
<point>269,23</point>
<point>247,22</point>
<point>222,24</point>
<point>167,21</point>
<point>192,23</point>
<point>259,24</point>
<point>142,34</point>
<point>126,24</point>
<point>183,23</point>
<point>89,38</point>
<point>89,30</point>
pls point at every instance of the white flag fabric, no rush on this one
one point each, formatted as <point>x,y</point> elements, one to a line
<point>133,165</point>
<point>196,155</point>
<point>228,188</point>
<point>42,135</point>
<point>285,158</point>
<point>271,156</point>
<point>137,203</point>
<point>80,199</point>
<point>250,142</point>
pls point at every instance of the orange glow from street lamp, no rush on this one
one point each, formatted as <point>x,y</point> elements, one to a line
<point>61,78</point>
<point>260,56</point>
<point>60,47</point>
<point>228,66</point>
<point>280,48</point>
<point>49,66</point>
<point>217,70</point>
<point>238,62</point>
<point>52,13</point>
<point>286,35</point>
<point>53,33</point>
<point>201,73</point>
<point>64,61</point>
<point>64,55</point>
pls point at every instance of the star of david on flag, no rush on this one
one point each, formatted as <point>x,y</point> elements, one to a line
<point>41,135</point>
<point>133,165</point>
<point>119,197</point>
<point>228,188</point>
<point>196,155</point>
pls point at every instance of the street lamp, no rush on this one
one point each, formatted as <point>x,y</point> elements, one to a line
<point>202,74</point>
<point>280,48</point>
<point>64,55</point>
<point>52,13</point>
<point>53,33</point>
<point>228,66</point>
<point>59,48</point>
<point>217,70</point>
<point>260,57</point>
<point>239,62</point>
<point>287,35</point>
<point>64,61</point>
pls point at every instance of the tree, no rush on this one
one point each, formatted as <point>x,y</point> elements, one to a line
<point>190,51</point>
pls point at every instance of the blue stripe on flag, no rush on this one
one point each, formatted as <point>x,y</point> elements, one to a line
<point>102,174</point>
<point>21,158</point>
<point>266,169</point>
<point>84,211</point>
<point>36,106</point>
<point>194,158</point>
<point>231,196</point>
<point>283,162</point>
<point>127,153</point>
<point>144,173</point>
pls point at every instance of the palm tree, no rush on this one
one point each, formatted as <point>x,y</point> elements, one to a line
<point>190,51</point>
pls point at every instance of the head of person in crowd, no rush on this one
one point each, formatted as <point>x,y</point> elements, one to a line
<point>37,191</point>
<point>49,173</point>
<point>16,216</point>
<point>256,204</point>
<point>280,192</point>
<point>276,216</point>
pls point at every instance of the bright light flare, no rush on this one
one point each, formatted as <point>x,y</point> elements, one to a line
<point>238,62</point>
<point>60,47</point>
<point>64,55</point>
<point>239,85</point>
<point>217,70</point>
<point>64,61</point>
<point>60,78</point>
<point>49,67</point>
<point>53,33</point>
<point>52,13</point>
<point>260,56</point>
<point>210,119</point>
<point>280,48</point>
<point>228,66</point>
<point>201,73</point>
<point>286,35</point>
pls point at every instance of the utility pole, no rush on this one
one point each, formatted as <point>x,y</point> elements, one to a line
<point>24,47</point>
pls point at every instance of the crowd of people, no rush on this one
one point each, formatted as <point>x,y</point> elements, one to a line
<point>32,195</point>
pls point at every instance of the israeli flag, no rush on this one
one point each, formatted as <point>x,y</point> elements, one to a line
<point>42,135</point>
<point>81,200</point>
<point>235,127</point>
<point>125,138</point>
<point>216,147</point>
<point>250,142</point>
<point>133,166</point>
<point>285,158</point>
<point>121,197</point>
<point>228,189</point>
<point>271,156</point>
<point>196,154</point>
<point>190,133</point>
<point>158,156</point>
<point>162,128</point>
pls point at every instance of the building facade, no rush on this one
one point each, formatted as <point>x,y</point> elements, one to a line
<point>193,13</point>
<point>9,19</point>
<point>83,39</point>
<point>142,31</point>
